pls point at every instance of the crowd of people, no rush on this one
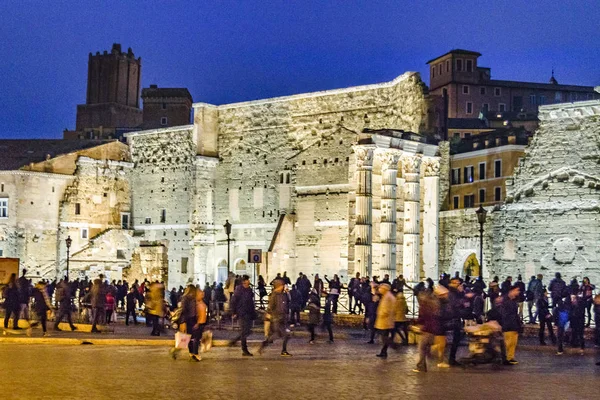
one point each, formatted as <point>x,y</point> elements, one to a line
<point>444,308</point>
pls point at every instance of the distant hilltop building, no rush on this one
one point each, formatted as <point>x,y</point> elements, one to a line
<point>113,106</point>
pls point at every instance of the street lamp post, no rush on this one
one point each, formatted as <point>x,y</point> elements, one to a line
<point>68,241</point>
<point>227,227</point>
<point>481,214</point>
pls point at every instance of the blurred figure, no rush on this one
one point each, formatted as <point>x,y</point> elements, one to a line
<point>314,314</point>
<point>400,320</point>
<point>545,317</point>
<point>155,306</point>
<point>109,307</point>
<point>278,311</point>
<point>98,298</point>
<point>262,290</point>
<point>587,291</point>
<point>242,307</point>
<point>335,288</point>
<point>511,323</point>
<point>328,316</point>
<point>384,322</point>
<point>557,289</point>
<point>354,293</point>
<point>295,306</point>
<point>428,324</point>
<point>11,302</point>
<point>24,287</point>
<point>65,303</point>
<point>371,302</point>
<point>42,304</point>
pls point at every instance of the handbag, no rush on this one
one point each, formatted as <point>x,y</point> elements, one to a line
<point>206,341</point>
<point>182,340</point>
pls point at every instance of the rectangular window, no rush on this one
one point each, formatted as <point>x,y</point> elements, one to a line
<point>465,89</point>
<point>447,65</point>
<point>469,109</point>
<point>501,107</point>
<point>84,233</point>
<point>3,208</point>
<point>456,176</point>
<point>481,196</point>
<point>482,90</point>
<point>469,65</point>
<point>433,72</point>
<point>124,221</point>
<point>558,97</point>
<point>532,99</point>
<point>498,194</point>
<point>163,121</point>
<point>467,135</point>
<point>485,107</point>
<point>469,201</point>
<point>1,253</point>
<point>164,106</point>
<point>77,209</point>
<point>184,264</point>
<point>497,91</point>
<point>468,174</point>
<point>456,134</point>
<point>481,171</point>
<point>542,100</point>
<point>455,201</point>
<point>459,64</point>
<point>440,68</point>
<point>148,220</point>
<point>498,168</point>
<point>2,187</point>
<point>163,216</point>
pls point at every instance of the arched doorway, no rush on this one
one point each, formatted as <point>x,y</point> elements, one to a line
<point>471,266</point>
<point>240,267</point>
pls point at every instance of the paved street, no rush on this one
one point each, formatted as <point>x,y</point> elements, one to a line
<point>347,370</point>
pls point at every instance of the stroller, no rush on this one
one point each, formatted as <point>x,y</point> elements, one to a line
<point>484,344</point>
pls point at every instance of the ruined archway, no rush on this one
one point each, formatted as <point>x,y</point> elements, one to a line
<point>471,266</point>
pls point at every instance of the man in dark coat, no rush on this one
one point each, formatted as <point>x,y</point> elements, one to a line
<point>557,289</point>
<point>511,323</point>
<point>24,294</point>
<point>242,307</point>
<point>98,298</point>
<point>64,297</point>
<point>278,309</point>
<point>132,298</point>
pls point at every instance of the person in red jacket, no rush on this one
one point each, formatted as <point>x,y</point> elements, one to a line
<point>109,307</point>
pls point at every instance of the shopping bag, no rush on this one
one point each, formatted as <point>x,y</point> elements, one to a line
<point>182,340</point>
<point>206,341</point>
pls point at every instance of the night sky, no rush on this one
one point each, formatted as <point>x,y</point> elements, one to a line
<point>225,51</point>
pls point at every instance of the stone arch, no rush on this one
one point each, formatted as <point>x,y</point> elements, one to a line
<point>240,266</point>
<point>471,266</point>
<point>463,249</point>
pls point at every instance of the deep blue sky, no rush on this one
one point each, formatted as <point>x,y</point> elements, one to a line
<point>226,51</point>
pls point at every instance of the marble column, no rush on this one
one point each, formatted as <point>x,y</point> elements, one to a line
<point>389,173</point>
<point>411,167</point>
<point>431,208</point>
<point>364,211</point>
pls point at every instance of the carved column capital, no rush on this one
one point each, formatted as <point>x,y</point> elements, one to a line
<point>389,159</point>
<point>411,164</point>
<point>432,166</point>
<point>364,156</point>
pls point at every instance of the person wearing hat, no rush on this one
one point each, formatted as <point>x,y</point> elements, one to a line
<point>278,309</point>
<point>384,322</point>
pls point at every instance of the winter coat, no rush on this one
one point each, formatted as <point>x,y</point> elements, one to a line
<point>542,307</point>
<point>109,304</point>
<point>41,303</point>
<point>401,309</point>
<point>429,314</point>
<point>98,294</point>
<point>278,306</point>
<point>156,303</point>
<point>386,312</point>
<point>314,310</point>
<point>131,300</point>
<point>557,288</point>
<point>327,315</point>
<point>188,308</point>
<point>11,296</point>
<point>242,303</point>
<point>510,315</point>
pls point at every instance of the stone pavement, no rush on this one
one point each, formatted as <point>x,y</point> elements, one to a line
<point>344,370</point>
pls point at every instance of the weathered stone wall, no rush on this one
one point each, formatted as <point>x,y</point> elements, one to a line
<point>551,222</point>
<point>164,179</point>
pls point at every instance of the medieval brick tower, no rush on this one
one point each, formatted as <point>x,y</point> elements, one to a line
<point>113,96</point>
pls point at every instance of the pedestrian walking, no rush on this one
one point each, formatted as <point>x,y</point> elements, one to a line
<point>400,320</point>
<point>11,302</point>
<point>242,307</point>
<point>545,317</point>
<point>65,305</point>
<point>577,319</point>
<point>385,315</point>
<point>24,286</point>
<point>511,323</point>
<point>42,304</point>
<point>109,307</point>
<point>521,299</point>
<point>354,293</point>
<point>295,305</point>
<point>278,311</point>
<point>262,291</point>
<point>132,297</point>
<point>428,325</point>
<point>587,291</point>
<point>335,288</point>
<point>562,310</point>
<point>98,298</point>
<point>371,301</point>
<point>557,288</point>
<point>155,306</point>
<point>456,312</point>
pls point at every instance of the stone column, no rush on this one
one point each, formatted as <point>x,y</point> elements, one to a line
<point>411,167</point>
<point>389,173</point>
<point>431,208</point>
<point>364,210</point>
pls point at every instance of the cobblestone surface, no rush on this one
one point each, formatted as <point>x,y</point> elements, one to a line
<point>347,370</point>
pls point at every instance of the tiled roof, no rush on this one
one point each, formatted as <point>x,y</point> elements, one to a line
<point>457,51</point>
<point>540,86</point>
<point>17,153</point>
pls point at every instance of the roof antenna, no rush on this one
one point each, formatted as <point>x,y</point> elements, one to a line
<point>552,78</point>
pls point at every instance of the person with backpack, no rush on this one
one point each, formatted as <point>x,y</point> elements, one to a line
<point>557,289</point>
